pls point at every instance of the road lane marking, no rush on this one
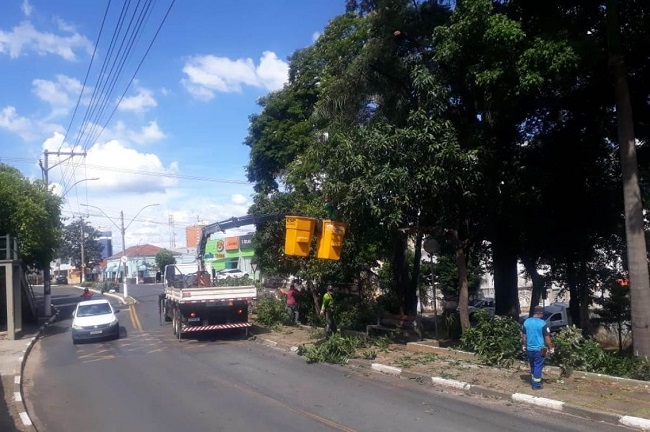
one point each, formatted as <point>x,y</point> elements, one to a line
<point>327,422</point>
<point>107,357</point>
<point>134,318</point>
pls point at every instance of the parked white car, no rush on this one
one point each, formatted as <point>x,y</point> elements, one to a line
<point>94,319</point>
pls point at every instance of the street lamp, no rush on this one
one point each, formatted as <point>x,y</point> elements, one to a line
<point>65,192</point>
<point>122,229</point>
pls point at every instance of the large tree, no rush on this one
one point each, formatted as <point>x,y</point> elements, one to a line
<point>634,226</point>
<point>78,235</point>
<point>31,214</point>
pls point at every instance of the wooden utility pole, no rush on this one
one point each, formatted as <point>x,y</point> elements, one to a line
<point>47,287</point>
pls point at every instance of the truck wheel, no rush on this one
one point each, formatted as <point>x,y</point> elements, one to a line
<point>174,321</point>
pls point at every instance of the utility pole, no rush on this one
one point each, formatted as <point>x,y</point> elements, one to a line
<point>47,287</point>
<point>83,261</point>
<point>125,288</point>
<point>122,231</point>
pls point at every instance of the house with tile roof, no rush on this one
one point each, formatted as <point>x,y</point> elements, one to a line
<point>140,265</point>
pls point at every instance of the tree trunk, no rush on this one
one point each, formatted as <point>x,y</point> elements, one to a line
<point>574,301</point>
<point>539,284</point>
<point>401,268</point>
<point>411,297</point>
<point>463,292</point>
<point>506,291</point>
<point>636,246</point>
<point>585,299</point>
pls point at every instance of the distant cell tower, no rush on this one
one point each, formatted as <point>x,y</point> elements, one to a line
<point>172,233</point>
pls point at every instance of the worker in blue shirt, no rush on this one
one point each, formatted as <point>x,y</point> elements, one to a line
<point>536,341</point>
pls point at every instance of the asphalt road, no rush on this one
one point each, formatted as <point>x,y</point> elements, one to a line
<point>148,381</point>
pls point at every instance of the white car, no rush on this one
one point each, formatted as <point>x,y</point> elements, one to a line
<point>94,319</point>
<point>230,273</point>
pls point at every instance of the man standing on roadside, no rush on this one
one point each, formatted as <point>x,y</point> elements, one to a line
<point>327,308</point>
<point>292,303</point>
<point>536,340</point>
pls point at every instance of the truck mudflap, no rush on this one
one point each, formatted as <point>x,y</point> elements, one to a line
<point>215,327</point>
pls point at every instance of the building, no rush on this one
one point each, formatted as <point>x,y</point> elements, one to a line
<point>230,253</point>
<point>105,238</point>
<point>140,265</point>
<point>192,235</point>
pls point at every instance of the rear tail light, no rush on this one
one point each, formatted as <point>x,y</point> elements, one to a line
<point>192,314</point>
<point>240,311</point>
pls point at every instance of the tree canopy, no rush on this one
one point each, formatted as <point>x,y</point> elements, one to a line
<point>31,214</point>
<point>490,126</point>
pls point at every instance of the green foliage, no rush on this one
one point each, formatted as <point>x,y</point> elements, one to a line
<point>574,352</point>
<point>616,312</point>
<point>338,349</point>
<point>496,341</point>
<point>31,214</point>
<point>88,284</point>
<point>164,257</point>
<point>271,311</point>
<point>106,286</point>
<point>71,247</point>
<point>354,313</point>
<point>232,281</point>
<point>450,325</point>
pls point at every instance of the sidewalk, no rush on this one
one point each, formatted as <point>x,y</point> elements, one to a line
<point>593,396</point>
<point>13,355</point>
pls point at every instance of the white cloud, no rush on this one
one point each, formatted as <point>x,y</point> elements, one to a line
<point>138,103</point>
<point>25,38</point>
<point>61,94</point>
<point>26,8</point>
<point>239,199</point>
<point>315,36</point>
<point>119,168</point>
<point>24,127</point>
<point>209,74</point>
<point>65,26</point>
<point>148,134</point>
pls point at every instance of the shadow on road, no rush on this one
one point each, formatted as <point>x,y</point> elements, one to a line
<point>6,421</point>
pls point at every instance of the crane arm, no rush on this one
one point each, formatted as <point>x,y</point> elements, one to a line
<point>233,222</point>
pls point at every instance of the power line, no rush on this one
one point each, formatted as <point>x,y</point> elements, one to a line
<point>138,68</point>
<point>83,86</point>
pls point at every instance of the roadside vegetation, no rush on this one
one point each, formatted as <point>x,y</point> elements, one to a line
<point>495,341</point>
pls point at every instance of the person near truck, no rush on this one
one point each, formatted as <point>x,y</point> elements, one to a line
<point>292,302</point>
<point>327,309</point>
<point>536,341</point>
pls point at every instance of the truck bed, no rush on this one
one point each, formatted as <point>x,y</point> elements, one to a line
<point>211,294</point>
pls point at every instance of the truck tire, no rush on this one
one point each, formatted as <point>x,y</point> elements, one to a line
<point>174,321</point>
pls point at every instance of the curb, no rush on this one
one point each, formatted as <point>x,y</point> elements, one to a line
<point>637,423</point>
<point>19,400</point>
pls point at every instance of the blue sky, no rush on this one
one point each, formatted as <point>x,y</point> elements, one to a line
<point>184,116</point>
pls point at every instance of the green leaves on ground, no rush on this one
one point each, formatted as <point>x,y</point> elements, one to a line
<point>339,348</point>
